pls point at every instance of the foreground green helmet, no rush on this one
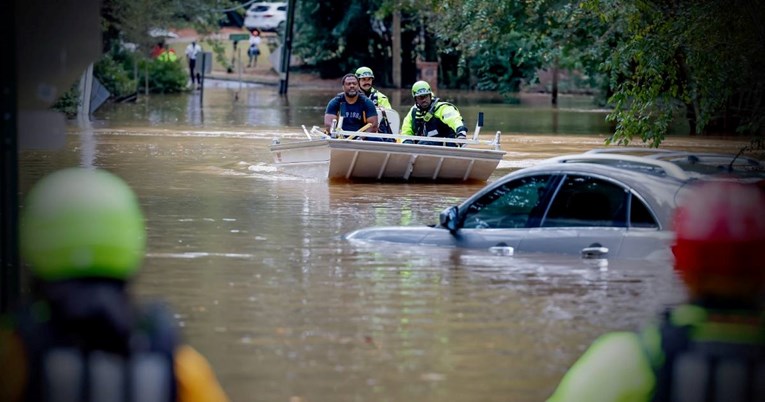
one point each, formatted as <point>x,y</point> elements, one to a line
<point>82,223</point>
<point>364,72</point>
<point>421,88</point>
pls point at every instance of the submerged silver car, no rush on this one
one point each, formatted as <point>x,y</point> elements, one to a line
<point>596,204</point>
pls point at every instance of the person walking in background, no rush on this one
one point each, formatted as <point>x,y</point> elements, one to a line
<point>81,337</point>
<point>253,51</point>
<point>355,109</point>
<point>366,78</point>
<point>711,349</point>
<point>430,117</point>
<point>192,51</point>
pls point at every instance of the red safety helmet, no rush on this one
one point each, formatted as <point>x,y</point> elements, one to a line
<point>720,240</point>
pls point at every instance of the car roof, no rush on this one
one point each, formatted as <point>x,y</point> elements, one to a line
<point>692,164</point>
<point>659,177</point>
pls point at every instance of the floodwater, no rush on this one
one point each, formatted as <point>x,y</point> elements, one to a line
<point>253,261</point>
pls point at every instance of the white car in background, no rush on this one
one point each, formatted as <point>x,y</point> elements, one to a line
<point>266,16</point>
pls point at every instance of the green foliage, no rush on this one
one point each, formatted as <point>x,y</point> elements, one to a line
<point>68,102</point>
<point>114,75</point>
<point>700,59</point>
<point>654,61</point>
<point>338,37</point>
<point>164,76</point>
<point>131,20</point>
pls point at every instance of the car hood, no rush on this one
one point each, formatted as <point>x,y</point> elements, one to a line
<point>393,234</point>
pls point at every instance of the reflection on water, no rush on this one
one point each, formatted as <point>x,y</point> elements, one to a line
<point>253,261</point>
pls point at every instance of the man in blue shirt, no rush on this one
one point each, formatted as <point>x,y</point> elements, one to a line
<point>355,109</point>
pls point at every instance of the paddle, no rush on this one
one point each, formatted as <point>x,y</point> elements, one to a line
<point>363,128</point>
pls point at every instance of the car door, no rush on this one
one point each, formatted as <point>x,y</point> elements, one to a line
<point>644,238</point>
<point>500,216</point>
<point>586,212</point>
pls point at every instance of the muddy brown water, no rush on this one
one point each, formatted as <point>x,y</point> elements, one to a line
<point>253,262</point>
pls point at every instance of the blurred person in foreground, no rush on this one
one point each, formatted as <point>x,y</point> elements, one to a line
<point>711,349</point>
<point>431,117</point>
<point>82,337</point>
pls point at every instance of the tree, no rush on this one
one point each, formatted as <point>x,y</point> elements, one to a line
<point>701,59</point>
<point>133,20</point>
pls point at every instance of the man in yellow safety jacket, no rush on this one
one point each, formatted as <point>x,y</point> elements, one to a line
<point>430,117</point>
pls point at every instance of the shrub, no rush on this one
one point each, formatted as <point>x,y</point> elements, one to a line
<point>68,102</point>
<point>112,73</point>
<point>164,76</point>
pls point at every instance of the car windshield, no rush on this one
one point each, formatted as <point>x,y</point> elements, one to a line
<point>260,9</point>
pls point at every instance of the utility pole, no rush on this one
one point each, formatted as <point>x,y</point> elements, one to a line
<point>287,49</point>
<point>397,46</point>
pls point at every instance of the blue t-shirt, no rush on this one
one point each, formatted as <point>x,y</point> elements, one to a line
<point>354,114</point>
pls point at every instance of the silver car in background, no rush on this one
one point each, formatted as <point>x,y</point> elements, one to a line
<point>266,16</point>
<point>597,204</point>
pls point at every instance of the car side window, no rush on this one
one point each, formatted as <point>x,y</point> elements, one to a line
<point>584,201</point>
<point>509,205</point>
<point>640,215</point>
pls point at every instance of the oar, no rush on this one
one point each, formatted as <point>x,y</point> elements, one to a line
<point>307,134</point>
<point>363,128</point>
<point>478,126</point>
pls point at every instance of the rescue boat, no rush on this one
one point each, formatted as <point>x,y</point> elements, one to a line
<point>362,156</point>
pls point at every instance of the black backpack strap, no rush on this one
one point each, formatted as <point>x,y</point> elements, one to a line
<point>674,340</point>
<point>156,332</point>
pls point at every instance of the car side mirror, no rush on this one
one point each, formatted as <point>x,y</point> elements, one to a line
<point>448,218</point>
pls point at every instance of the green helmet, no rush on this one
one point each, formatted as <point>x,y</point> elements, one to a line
<point>421,88</point>
<point>82,223</point>
<point>364,72</point>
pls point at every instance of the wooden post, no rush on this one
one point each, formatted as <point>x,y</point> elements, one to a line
<point>397,46</point>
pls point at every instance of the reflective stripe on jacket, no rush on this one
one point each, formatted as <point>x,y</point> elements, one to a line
<point>379,99</point>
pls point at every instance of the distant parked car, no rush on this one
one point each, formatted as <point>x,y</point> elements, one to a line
<point>598,205</point>
<point>266,16</point>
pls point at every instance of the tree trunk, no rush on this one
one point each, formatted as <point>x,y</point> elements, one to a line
<point>691,115</point>
<point>555,83</point>
<point>397,47</point>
